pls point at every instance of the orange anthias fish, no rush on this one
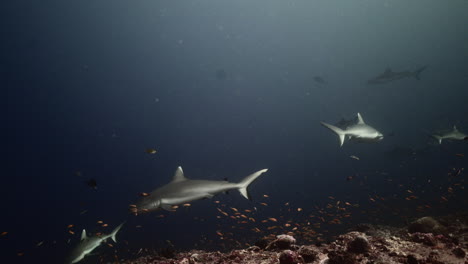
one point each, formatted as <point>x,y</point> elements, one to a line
<point>150,151</point>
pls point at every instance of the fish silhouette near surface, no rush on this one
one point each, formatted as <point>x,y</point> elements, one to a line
<point>182,190</point>
<point>389,76</point>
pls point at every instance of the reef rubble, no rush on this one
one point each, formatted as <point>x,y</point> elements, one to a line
<point>425,241</point>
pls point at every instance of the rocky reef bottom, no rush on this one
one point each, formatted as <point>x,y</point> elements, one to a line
<point>424,241</point>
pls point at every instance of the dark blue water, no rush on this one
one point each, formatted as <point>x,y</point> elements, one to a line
<point>89,85</point>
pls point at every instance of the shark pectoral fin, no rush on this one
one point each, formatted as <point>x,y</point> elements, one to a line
<point>438,138</point>
<point>167,207</point>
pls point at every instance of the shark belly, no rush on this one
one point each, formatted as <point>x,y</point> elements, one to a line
<point>365,139</point>
<point>175,200</point>
<point>196,190</point>
<point>82,255</point>
<point>459,136</point>
<point>78,259</point>
<point>90,248</point>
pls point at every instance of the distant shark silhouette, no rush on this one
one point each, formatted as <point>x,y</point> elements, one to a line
<point>359,131</point>
<point>320,80</point>
<point>453,135</point>
<point>390,76</point>
<point>183,190</point>
<point>88,244</point>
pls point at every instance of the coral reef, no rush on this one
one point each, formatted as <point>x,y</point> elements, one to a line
<point>424,241</point>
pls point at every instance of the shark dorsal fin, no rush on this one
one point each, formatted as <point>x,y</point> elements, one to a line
<point>179,175</point>
<point>360,120</point>
<point>83,235</point>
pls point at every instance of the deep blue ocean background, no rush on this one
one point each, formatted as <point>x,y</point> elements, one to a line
<point>89,85</point>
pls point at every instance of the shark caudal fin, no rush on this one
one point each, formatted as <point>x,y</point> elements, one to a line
<point>417,73</point>
<point>116,230</point>
<point>340,132</point>
<point>247,181</point>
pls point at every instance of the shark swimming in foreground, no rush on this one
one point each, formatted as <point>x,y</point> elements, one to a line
<point>359,131</point>
<point>454,135</point>
<point>183,190</point>
<point>390,76</point>
<point>88,244</point>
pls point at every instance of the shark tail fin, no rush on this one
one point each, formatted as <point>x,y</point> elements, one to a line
<point>438,138</point>
<point>116,230</point>
<point>247,181</point>
<point>417,73</point>
<point>340,132</point>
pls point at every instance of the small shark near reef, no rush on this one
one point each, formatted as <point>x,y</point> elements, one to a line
<point>88,244</point>
<point>390,76</point>
<point>454,135</point>
<point>359,131</point>
<point>183,190</point>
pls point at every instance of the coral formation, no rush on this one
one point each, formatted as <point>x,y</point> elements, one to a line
<point>429,242</point>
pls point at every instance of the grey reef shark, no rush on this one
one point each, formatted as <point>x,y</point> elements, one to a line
<point>389,76</point>
<point>358,132</point>
<point>184,190</point>
<point>89,244</point>
<point>455,134</point>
